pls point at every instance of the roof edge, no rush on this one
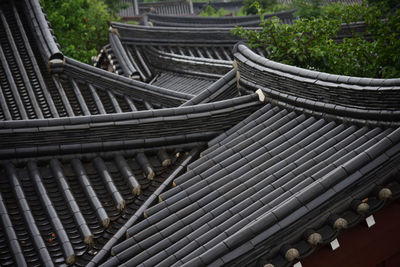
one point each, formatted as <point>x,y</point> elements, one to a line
<point>312,74</point>
<point>42,31</point>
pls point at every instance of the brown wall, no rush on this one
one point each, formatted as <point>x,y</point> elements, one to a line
<point>378,246</point>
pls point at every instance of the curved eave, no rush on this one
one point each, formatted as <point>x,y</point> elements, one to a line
<point>367,83</point>
<point>199,35</point>
<point>205,22</point>
<point>124,130</point>
<point>317,217</point>
<point>165,35</point>
<point>124,85</point>
<point>121,56</point>
<point>42,31</point>
<point>200,19</point>
<point>216,22</point>
<point>254,23</point>
<point>353,97</point>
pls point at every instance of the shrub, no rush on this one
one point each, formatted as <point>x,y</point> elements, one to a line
<point>80,26</point>
<point>309,43</point>
<point>250,9</point>
<point>209,11</point>
<point>308,8</point>
<point>304,44</point>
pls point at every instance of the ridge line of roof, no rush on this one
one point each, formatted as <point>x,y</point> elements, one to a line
<point>96,75</point>
<point>322,76</point>
<point>345,114</point>
<point>42,31</point>
<point>156,114</point>
<point>125,26</point>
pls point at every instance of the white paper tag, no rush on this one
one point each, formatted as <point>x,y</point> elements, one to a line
<point>370,221</point>
<point>298,264</point>
<point>335,244</point>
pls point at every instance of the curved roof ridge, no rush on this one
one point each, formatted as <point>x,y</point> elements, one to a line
<point>135,115</point>
<point>140,129</point>
<point>124,28</point>
<point>228,21</point>
<point>41,27</point>
<point>312,74</point>
<point>95,75</point>
<point>364,99</point>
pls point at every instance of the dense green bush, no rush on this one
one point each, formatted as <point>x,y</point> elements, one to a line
<point>209,11</point>
<point>251,9</point>
<point>308,8</point>
<point>309,43</point>
<point>80,26</point>
<point>389,3</point>
<point>114,6</point>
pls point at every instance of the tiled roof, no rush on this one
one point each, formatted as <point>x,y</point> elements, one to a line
<point>189,84</point>
<point>123,131</point>
<point>143,52</point>
<point>158,55</point>
<point>285,168</point>
<point>298,165</point>
<point>30,91</point>
<point>64,209</point>
<point>136,8</point>
<point>256,184</point>
<point>65,190</point>
<point>196,21</point>
<point>131,11</point>
<point>183,7</point>
<point>361,100</point>
<point>224,88</point>
<point>232,6</point>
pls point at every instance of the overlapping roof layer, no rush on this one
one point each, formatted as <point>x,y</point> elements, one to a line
<point>300,165</point>
<point>191,153</point>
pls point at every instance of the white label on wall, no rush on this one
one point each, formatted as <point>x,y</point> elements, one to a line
<point>335,244</point>
<point>370,220</point>
<point>298,264</point>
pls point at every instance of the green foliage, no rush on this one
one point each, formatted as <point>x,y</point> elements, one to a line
<point>209,11</point>
<point>319,8</point>
<point>240,12</point>
<point>278,7</point>
<point>309,43</point>
<point>251,9</point>
<point>132,22</point>
<point>80,26</point>
<point>337,10</point>
<point>308,8</point>
<point>389,3</point>
<point>304,44</point>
